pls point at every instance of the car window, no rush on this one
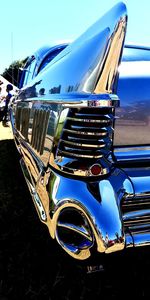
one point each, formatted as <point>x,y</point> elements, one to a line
<point>49,58</point>
<point>28,71</point>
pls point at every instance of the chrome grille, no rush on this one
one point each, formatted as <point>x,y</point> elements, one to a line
<point>136,214</point>
<point>87,133</point>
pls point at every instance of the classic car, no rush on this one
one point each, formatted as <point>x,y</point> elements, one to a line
<point>38,61</point>
<point>81,126</point>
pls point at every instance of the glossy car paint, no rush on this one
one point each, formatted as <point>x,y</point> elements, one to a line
<point>131,135</point>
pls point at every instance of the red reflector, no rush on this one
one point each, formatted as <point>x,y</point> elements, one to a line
<point>96,169</point>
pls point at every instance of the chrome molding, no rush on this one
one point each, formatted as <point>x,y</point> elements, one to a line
<point>86,216</point>
<point>136,210</point>
<point>83,133</point>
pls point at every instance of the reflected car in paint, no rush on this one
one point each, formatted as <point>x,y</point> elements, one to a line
<point>81,128</point>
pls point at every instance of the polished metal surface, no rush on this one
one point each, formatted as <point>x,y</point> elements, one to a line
<point>83,99</point>
<point>100,221</point>
<point>83,133</point>
<point>88,179</point>
<point>136,209</point>
<point>88,65</point>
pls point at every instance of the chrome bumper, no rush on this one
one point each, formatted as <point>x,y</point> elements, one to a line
<point>112,214</point>
<point>136,209</point>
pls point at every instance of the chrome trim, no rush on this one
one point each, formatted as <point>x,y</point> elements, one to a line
<point>36,199</point>
<point>107,231</point>
<point>73,101</point>
<point>136,209</point>
<point>77,139</point>
<point>86,132</point>
<point>83,173</point>
<point>82,144</point>
<point>139,239</point>
<point>76,228</point>
<point>88,120</point>
<point>74,155</point>
<point>76,251</point>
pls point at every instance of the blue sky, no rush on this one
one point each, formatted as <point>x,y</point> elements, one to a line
<point>28,25</point>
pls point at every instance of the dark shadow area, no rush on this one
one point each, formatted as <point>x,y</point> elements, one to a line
<point>32,266</point>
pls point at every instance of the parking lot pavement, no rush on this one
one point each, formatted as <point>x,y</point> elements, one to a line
<point>5,132</point>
